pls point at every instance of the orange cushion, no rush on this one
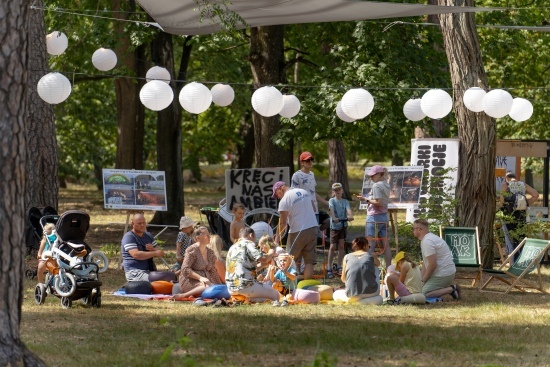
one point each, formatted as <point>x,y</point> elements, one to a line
<point>162,287</point>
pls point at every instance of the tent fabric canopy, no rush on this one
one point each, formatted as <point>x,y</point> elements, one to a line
<point>183,16</point>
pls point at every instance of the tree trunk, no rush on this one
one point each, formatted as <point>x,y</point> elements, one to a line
<point>338,167</point>
<point>244,156</point>
<point>476,131</point>
<point>130,111</point>
<point>41,169</point>
<point>13,159</point>
<point>169,154</point>
<point>267,63</point>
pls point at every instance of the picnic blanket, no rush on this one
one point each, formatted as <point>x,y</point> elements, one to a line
<point>122,293</point>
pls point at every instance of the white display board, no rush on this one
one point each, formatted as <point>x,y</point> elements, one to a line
<point>405,184</point>
<point>503,165</point>
<point>134,190</point>
<point>253,187</point>
<point>434,156</point>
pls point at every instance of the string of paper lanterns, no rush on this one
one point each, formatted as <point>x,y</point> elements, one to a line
<point>267,101</point>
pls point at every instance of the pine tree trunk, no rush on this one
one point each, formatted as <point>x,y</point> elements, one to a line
<point>169,154</point>
<point>41,185</point>
<point>338,167</point>
<point>13,159</point>
<point>244,157</point>
<point>130,111</point>
<point>476,131</point>
<point>267,63</point>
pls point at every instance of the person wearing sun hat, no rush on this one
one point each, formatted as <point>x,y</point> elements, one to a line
<point>407,280</point>
<point>296,213</point>
<point>183,241</point>
<point>377,210</point>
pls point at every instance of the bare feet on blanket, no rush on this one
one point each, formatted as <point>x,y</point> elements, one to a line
<point>178,297</point>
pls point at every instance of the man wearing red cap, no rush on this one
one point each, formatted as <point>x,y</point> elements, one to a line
<point>305,179</point>
<point>296,213</point>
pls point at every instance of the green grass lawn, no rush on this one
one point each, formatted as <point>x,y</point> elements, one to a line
<point>483,329</point>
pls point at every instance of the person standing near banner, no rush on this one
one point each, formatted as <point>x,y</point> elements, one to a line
<point>377,211</point>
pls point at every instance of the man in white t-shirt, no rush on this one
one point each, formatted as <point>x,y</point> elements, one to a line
<point>438,269</point>
<point>297,213</point>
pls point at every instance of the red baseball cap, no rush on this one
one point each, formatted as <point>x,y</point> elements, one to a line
<point>305,155</point>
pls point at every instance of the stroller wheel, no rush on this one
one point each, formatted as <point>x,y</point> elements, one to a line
<point>40,294</point>
<point>66,302</point>
<point>29,274</point>
<point>96,301</point>
<point>87,300</point>
<point>65,284</point>
<point>99,258</point>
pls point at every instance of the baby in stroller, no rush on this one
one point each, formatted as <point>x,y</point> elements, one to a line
<point>72,270</point>
<point>46,244</point>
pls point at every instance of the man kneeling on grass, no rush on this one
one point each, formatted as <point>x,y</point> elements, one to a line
<point>240,275</point>
<point>438,270</point>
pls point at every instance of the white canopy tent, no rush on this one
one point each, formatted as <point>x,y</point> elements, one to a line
<point>183,16</point>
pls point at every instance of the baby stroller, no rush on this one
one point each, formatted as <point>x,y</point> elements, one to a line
<point>33,235</point>
<point>72,273</point>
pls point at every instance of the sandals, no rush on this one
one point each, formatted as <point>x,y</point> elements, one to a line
<point>457,292</point>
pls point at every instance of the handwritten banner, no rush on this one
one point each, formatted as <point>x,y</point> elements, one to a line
<point>253,187</point>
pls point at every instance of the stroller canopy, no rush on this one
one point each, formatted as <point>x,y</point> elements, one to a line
<point>73,226</point>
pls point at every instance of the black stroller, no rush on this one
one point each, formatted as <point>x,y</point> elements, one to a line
<point>71,273</point>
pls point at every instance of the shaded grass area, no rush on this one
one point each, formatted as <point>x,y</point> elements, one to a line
<point>483,329</point>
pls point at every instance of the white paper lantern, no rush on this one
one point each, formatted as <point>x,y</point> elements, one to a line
<point>291,106</point>
<point>222,94</point>
<point>267,101</point>
<point>357,103</point>
<point>195,98</point>
<point>497,103</point>
<point>341,113</point>
<point>158,73</point>
<point>473,99</point>
<point>156,95</point>
<point>436,103</point>
<point>54,88</point>
<point>56,43</point>
<point>104,59</point>
<point>413,111</point>
<point>521,110</point>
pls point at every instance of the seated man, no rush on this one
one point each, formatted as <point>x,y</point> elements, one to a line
<point>240,275</point>
<point>138,251</point>
<point>438,270</point>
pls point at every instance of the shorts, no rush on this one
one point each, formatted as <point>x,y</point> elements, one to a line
<point>338,234</point>
<point>435,283</point>
<point>377,226</point>
<point>303,244</point>
<point>137,275</point>
<point>402,290</point>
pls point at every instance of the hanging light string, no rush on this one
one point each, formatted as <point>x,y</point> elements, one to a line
<point>512,27</point>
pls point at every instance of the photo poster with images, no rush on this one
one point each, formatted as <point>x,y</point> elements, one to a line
<point>405,183</point>
<point>253,187</point>
<point>434,156</point>
<point>134,190</point>
<point>503,165</point>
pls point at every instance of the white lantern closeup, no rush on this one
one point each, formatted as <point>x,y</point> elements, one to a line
<point>291,106</point>
<point>56,43</point>
<point>341,113</point>
<point>436,103</point>
<point>222,94</point>
<point>156,95</point>
<point>195,98</point>
<point>158,73</point>
<point>104,59</point>
<point>473,99</point>
<point>267,101</point>
<point>412,110</point>
<point>54,88</point>
<point>357,103</point>
<point>522,109</point>
<point>497,103</point>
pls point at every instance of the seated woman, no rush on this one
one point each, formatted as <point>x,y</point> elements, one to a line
<point>408,281</point>
<point>360,274</point>
<point>198,270</point>
<point>216,245</point>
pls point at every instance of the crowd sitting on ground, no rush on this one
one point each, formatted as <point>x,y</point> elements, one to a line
<point>267,272</point>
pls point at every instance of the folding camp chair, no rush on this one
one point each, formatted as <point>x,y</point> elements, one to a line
<point>532,251</point>
<point>464,245</point>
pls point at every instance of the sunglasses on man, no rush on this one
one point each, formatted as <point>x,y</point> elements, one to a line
<point>308,160</point>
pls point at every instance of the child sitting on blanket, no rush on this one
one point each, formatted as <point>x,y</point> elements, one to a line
<point>407,280</point>
<point>283,275</point>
